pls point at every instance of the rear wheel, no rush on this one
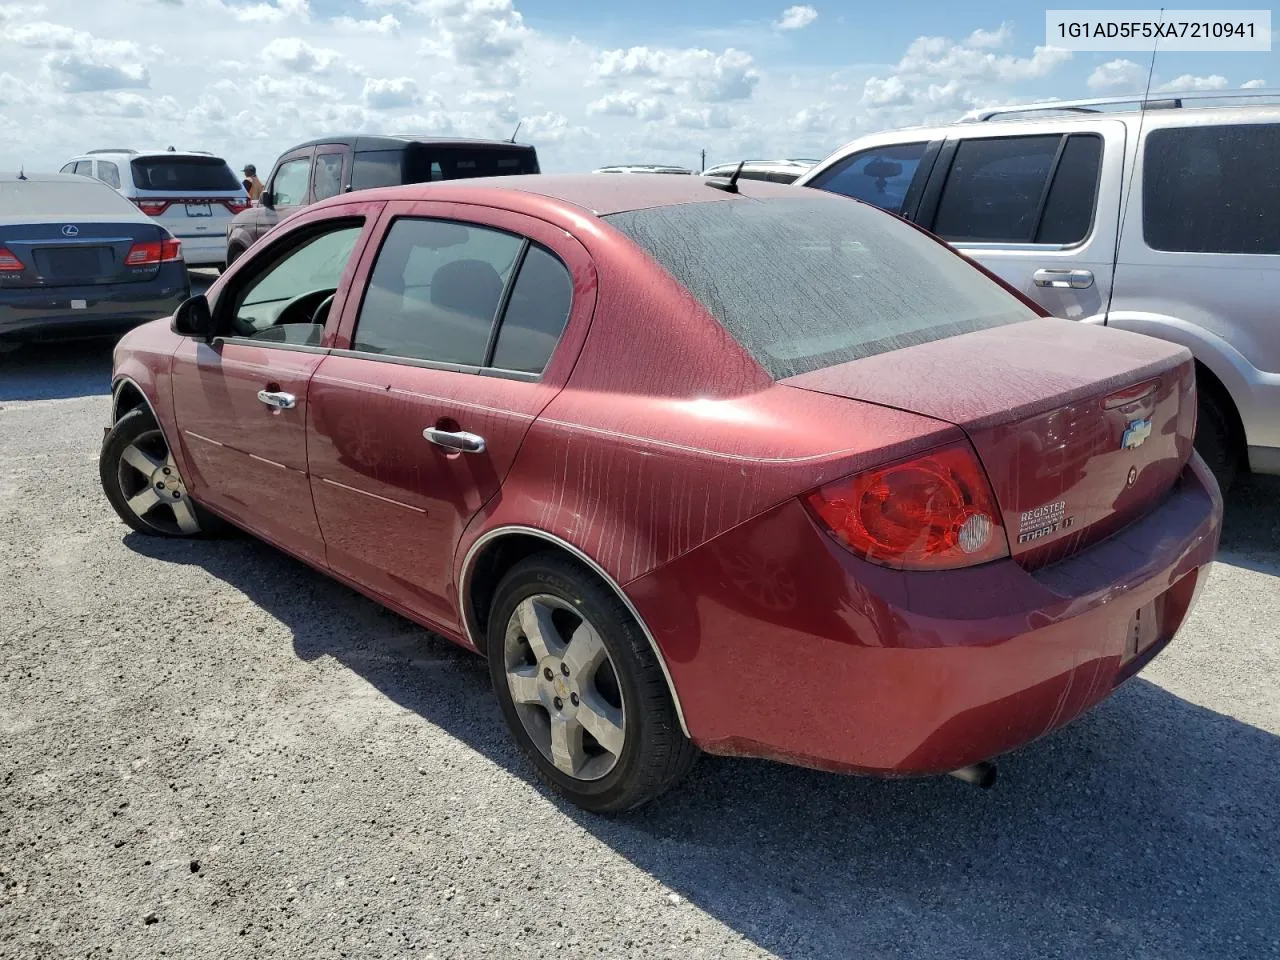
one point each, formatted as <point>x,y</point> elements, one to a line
<point>234,253</point>
<point>1218,438</point>
<point>143,484</point>
<point>580,688</point>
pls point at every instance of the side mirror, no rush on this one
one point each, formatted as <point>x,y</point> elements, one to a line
<point>193,318</point>
<point>266,200</point>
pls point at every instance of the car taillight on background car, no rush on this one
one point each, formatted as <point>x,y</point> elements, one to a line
<point>934,512</point>
<point>152,208</point>
<point>9,263</point>
<point>236,206</point>
<point>152,252</point>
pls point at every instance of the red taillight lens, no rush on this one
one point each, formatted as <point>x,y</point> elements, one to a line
<point>236,206</point>
<point>935,512</point>
<point>9,262</point>
<point>152,208</point>
<point>153,252</point>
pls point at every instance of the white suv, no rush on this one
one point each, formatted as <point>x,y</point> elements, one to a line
<point>1160,217</point>
<point>193,195</point>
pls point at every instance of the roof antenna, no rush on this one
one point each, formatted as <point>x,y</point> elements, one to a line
<point>22,172</point>
<point>1128,190</point>
<point>515,131</point>
<point>730,185</point>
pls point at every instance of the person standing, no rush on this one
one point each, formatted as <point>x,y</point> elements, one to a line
<point>252,185</point>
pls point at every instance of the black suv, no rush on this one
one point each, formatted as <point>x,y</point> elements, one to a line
<point>321,169</point>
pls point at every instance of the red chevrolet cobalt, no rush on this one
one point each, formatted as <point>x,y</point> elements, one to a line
<point>759,472</point>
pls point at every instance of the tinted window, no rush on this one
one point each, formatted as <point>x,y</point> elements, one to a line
<point>63,198</point>
<point>68,168</point>
<point>435,290</point>
<point>1068,211</point>
<point>315,266</point>
<point>810,282</point>
<point>880,176</point>
<point>109,173</point>
<point>377,168</point>
<point>84,168</point>
<point>535,314</point>
<point>326,178</point>
<point>994,188</point>
<point>1212,189</point>
<point>431,162</point>
<point>183,174</point>
<point>289,187</point>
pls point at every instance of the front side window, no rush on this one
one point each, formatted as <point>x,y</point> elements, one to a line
<point>282,304</point>
<point>84,168</point>
<point>880,176</point>
<point>289,186</point>
<point>326,178</point>
<point>812,281</point>
<point>109,173</point>
<point>435,291</point>
<point>993,189</point>
<point>68,167</point>
<point>1212,189</point>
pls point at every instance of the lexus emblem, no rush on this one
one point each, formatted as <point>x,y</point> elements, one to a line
<point>70,230</point>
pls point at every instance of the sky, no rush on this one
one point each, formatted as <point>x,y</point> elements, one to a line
<point>590,83</point>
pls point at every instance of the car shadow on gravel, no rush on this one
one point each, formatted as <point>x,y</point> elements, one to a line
<point>1251,525</point>
<point>1145,829</point>
<point>57,371</point>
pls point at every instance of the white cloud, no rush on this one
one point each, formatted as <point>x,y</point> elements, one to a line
<point>391,94</point>
<point>700,73</point>
<point>1189,81</point>
<point>1254,85</point>
<point>386,24</point>
<point>628,103</point>
<point>797,17</point>
<point>297,55</point>
<point>271,12</point>
<point>1120,75</point>
<point>704,118</point>
<point>984,39</point>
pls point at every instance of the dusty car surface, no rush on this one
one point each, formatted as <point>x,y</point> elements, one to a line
<point>766,472</point>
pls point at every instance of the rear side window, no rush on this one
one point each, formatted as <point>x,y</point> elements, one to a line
<point>1212,189</point>
<point>183,174</point>
<point>1068,210</point>
<point>993,190</point>
<point>430,162</point>
<point>535,314</point>
<point>811,282</point>
<point>377,168</point>
<point>435,291</point>
<point>109,173</point>
<point>880,176</point>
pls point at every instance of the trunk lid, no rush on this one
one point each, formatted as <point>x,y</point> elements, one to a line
<point>1081,429</point>
<point>82,253</point>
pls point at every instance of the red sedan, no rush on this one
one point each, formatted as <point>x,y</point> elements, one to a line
<point>765,473</point>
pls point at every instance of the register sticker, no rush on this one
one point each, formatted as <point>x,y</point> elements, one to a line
<point>79,304</point>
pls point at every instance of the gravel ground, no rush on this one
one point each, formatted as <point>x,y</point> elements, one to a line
<point>208,750</point>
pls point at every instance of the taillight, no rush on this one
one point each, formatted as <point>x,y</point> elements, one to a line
<point>152,208</point>
<point>236,206</point>
<point>153,252</point>
<point>9,262</point>
<point>935,512</point>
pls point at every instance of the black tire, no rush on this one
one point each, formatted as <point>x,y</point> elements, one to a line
<point>1217,436</point>
<point>234,253</point>
<point>655,754</point>
<point>138,428</point>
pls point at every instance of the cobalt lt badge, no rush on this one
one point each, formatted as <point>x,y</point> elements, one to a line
<point>1135,434</point>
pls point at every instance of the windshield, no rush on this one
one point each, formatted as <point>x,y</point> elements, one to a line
<point>183,173</point>
<point>59,199</point>
<point>811,282</point>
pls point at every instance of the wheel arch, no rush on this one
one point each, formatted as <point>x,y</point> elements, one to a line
<point>496,551</point>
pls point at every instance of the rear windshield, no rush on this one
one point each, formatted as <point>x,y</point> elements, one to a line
<point>61,199</point>
<point>811,282</point>
<point>183,173</point>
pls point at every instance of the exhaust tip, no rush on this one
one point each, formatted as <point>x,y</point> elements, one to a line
<point>981,775</point>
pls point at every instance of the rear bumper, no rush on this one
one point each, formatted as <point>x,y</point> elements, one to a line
<point>206,250</point>
<point>55,312</point>
<point>782,644</point>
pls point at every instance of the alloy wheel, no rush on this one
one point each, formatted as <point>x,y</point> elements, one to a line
<point>564,687</point>
<point>152,486</point>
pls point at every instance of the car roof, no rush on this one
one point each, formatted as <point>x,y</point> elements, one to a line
<point>599,195</point>
<point>364,141</point>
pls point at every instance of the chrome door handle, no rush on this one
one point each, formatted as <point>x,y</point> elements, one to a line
<point>1074,279</point>
<point>278,399</point>
<point>458,440</point>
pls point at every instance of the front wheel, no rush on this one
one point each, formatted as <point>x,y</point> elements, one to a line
<point>580,688</point>
<point>142,482</point>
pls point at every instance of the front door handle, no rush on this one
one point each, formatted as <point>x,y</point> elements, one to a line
<point>458,440</point>
<point>278,399</point>
<point>1073,279</point>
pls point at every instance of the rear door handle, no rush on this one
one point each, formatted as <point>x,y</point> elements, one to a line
<point>1074,279</point>
<point>278,399</point>
<point>458,440</point>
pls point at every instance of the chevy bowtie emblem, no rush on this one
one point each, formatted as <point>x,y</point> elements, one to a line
<point>70,230</point>
<point>1135,434</point>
